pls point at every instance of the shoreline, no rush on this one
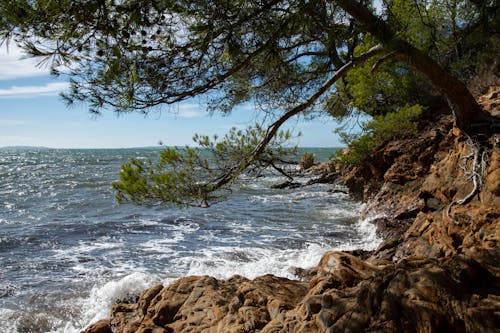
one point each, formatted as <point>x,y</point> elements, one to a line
<point>429,273</point>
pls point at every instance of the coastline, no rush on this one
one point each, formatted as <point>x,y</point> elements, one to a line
<point>429,274</point>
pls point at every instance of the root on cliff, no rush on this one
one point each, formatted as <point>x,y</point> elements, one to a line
<point>474,167</point>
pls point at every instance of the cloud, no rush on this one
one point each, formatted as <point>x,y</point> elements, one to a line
<point>15,65</point>
<point>13,122</point>
<point>247,107</point>
<point>50,89</point>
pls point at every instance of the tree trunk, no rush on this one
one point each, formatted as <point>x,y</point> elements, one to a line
<point>469,116</point>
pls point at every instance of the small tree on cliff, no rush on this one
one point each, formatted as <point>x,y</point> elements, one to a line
<point>289,57</point>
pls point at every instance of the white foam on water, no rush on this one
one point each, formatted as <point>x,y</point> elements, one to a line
<point>367,236</point>
<point>332,211</point>
<point>224,262</point>
<point>103,243</point>
<point>6,322</point>
<point>94,307</point>
<point>186,226</point>
<point>288,197</point>
<point>148,223</point>
<point>367,231</point>
<point>32,321</point>
<point>102,297</point>
<point>161,246</point>
<point>88,247</point>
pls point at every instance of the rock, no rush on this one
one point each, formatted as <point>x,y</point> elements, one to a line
<point>322,168</point>
<point>491,100</point>
<point>390,228</point>
<point>301,273</point>
<point>203,304</point>
<point>326,178</point>
<point>287,184</point>
<point>102,326</point>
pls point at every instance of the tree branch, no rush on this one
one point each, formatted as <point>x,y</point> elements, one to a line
<point>381,60</point>
<point>273,128</point>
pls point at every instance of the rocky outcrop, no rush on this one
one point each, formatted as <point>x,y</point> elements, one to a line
<point>491,100</point>
<point>204,304</point>
<point>436,271</point>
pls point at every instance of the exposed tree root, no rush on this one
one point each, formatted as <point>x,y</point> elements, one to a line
<point>473,171</point>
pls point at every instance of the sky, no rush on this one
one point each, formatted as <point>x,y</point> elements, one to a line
<point>33,114</point>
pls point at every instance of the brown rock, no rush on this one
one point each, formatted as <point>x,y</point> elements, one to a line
<point>199,304</point>
<point>491,100</point>
<point>102,326</point>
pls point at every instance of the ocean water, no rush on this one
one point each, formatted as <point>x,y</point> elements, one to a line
<point>68,251</point>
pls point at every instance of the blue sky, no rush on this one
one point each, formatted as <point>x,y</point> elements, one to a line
<point>32,114</point>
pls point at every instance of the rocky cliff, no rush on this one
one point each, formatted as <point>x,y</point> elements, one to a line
<point>436,271</point>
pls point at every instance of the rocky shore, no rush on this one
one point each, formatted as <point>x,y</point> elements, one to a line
<point>436,271</point>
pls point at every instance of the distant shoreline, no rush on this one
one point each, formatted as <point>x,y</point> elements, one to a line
<point>116,148</point>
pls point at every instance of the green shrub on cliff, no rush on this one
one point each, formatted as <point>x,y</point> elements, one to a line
<point>392,126</point>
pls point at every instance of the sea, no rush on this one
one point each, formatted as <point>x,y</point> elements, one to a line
<point>69,251</point>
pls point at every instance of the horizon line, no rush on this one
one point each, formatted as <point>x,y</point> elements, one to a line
<point>140,147</point>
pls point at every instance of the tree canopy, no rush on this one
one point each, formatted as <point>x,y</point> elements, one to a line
<point>292,57</point>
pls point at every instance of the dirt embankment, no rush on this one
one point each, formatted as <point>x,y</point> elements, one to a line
<point>436,271</point>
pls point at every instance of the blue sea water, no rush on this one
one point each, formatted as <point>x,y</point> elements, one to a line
<point>68,251</point>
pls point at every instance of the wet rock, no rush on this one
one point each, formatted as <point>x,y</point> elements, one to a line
<point>301,273</point>
<point>102,326</point>
<point>204,304</point>
<point>288,184</point>
<point>327,178</point>
<point>390,228</point>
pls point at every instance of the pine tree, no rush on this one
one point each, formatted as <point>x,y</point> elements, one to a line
<point>290,58</point>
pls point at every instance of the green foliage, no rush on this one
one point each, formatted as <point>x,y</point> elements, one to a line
<point>306,161</point>
<point>392,126</point>
<point>138,55</point>
<point>358,149</point>
<point>377,91</point>
<point>461,34</point>
<point>203,175</point>
<point>395,125</point>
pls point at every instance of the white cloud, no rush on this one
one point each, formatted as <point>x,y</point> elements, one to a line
<point>188,111</point>
<point>13,122</point>
<point>49,89</point>
<point>15,65</point>
<point>247,107</point>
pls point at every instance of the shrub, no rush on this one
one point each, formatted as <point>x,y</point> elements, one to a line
<point>392,126</point>
<point>307,160</point>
